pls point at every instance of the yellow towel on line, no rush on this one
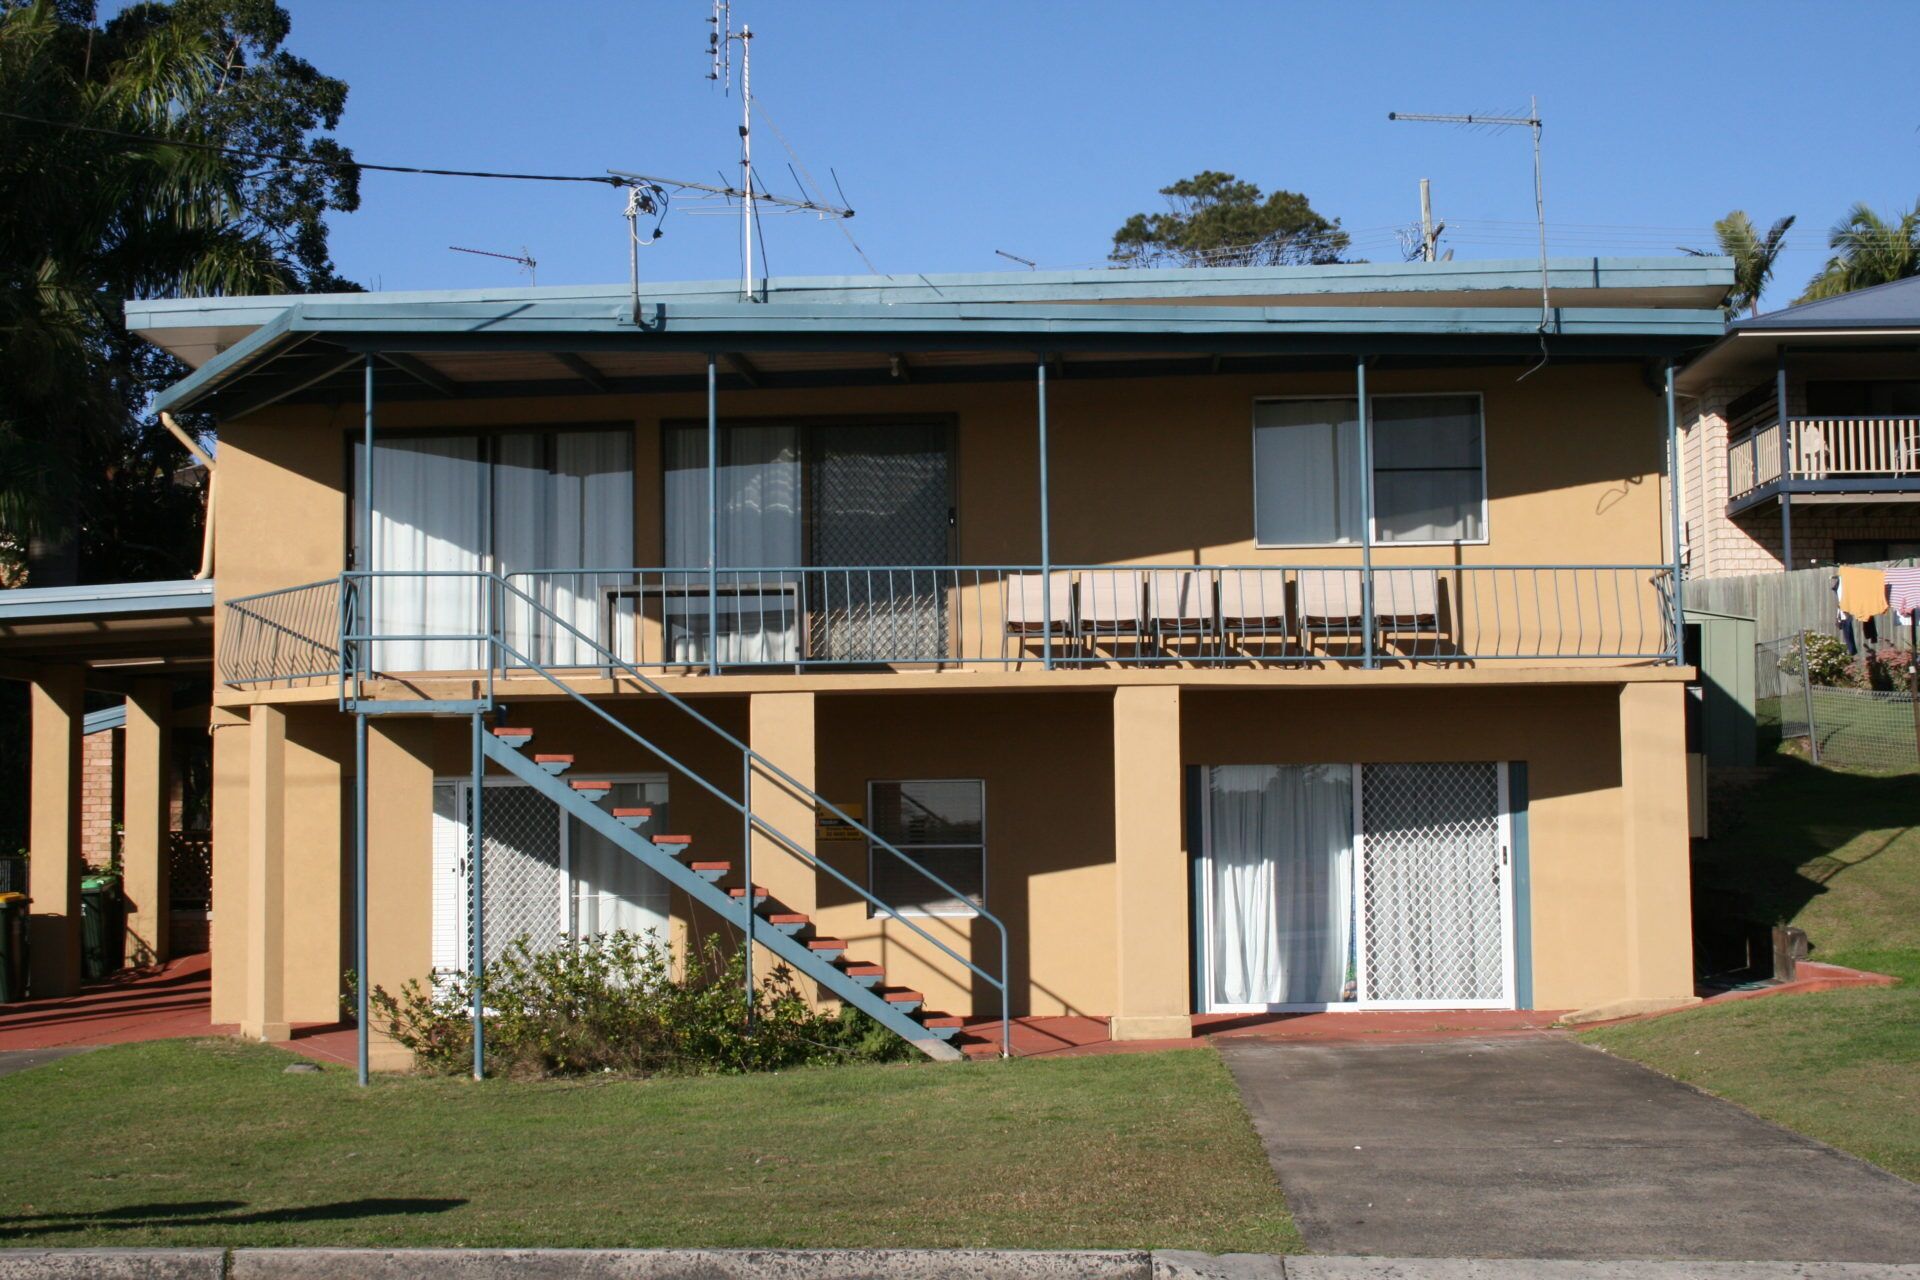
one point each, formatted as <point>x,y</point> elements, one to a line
<point>1863,591</point>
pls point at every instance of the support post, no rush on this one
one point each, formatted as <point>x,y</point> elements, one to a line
<point>1673,512</point>
<point>144,846</point>
<point>1786,464</point>
<point>1046,533</point>
<point>264,1017</point>
<point>1153,987</point>
<point>1367,658</point>
<point>58,699</point>
<point>713,516</point>
<point>364,655</point>
<point>475,880</point>
<point>362,979</point>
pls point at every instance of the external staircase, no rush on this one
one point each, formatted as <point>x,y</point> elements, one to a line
<point>721,884</point>
<point>717,885</point>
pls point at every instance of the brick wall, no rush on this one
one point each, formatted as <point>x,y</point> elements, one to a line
<point>1720,545</point>
<point>101,757</point>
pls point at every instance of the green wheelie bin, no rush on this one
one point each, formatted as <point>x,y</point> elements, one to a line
<point>13,947</point>
<point>103,927</point>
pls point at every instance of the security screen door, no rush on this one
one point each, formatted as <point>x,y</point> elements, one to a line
<point>547,876</point>
<point>1345,886</point>
<point>879,497</point>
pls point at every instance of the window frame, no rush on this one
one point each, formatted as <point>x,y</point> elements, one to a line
<point>1372,533</point>
<point>965,911</point>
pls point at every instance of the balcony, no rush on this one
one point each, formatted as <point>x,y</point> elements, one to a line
<point>693,623</point>
<point>1827,459</point>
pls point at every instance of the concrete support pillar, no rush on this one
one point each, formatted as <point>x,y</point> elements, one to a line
<point>319,857</point>
<point>1153,986</point>
<point>147,775</point>
<point>227,934</point>
<point>781,728</point>
<point>399,863</point>
<point>265,1014</point>
<point>57,698</point>
<point>1653,744</point>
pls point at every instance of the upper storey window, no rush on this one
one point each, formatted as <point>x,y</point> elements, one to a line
<point>1429,471</point>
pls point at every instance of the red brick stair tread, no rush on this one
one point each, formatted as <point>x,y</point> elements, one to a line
<point>785,917</point>
<point>712,866</point>
<point>552,757</point>
<point>633,813</point>
<point>900,995</point>
<point>664,839</point>
<point>513,733</point>
<point>941,1020</point>
<point>827,944</point>
<point>861,969</point>
<point>579,785</point>
<point>759,891</point>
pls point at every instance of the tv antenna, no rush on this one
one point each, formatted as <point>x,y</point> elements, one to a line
<point>1028,263</point>
<point>750,195</point>
<point>1532,123</point>
<point>524,259</point>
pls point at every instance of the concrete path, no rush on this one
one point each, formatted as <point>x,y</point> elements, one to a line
<point>1543,1148</point>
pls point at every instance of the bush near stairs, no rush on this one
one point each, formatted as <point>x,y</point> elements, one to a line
<point>614,1003</point>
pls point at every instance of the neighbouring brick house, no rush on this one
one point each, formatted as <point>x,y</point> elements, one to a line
<point>1841,374</point>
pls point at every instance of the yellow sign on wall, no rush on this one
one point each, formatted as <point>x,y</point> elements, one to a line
<point>830,827</point>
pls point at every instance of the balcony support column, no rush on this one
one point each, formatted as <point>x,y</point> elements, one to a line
<point>1153,985</point>
<point>57,698</point>
<point>1368,659</point>
<point>1786,463</point>
<point>1673,515</point>
<point>713,517</point>
<point>1046,529</point>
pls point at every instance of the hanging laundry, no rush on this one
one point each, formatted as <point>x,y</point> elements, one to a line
<point>1903,591</point>
<point>1862,590</point>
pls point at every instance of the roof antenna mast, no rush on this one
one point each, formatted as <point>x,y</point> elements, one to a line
<point>720,41</point>
<point>1531,122</point>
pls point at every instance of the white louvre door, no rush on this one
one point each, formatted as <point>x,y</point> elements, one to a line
<point>1433,886</point>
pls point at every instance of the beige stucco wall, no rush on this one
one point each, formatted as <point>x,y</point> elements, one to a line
<point>1145,471</point>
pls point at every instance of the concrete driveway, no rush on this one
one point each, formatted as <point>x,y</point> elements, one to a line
<point>1539,1147</point>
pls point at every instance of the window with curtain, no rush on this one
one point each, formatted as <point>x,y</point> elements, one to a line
<point>550,510</point>
<point>941,825</point>
<point>759,529</point>
<point>1280,884</point>
<point>1429,483</point>
<point>1429,477</point>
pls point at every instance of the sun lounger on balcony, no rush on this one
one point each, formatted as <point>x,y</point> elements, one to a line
<point>1111,604</point>
<point>1254,608</point>
<point>1034,612</point>
<point>1180,606</point>
<point>1406,603</point>
<point>1331,603</point>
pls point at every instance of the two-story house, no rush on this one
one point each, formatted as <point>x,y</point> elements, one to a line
<point>1800,437</point>
<point>1130,644</point>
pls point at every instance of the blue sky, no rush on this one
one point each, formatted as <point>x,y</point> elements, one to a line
<point>961,128</point>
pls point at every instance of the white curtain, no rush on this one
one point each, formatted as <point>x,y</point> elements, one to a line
<point>428,507</point>
<point>612,889</point>
<point>590,508</point>
<point>1281,883</point>
<point>759,528</point>
<point>1306,462</point>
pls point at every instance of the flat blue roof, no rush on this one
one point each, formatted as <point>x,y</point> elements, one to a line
<point>187,595</point>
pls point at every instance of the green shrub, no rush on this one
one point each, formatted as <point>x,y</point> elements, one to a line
<point>615,1004</point>
<point>1827,660</point>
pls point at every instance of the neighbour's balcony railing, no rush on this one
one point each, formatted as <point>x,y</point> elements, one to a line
<point>930,617</point>
<point>1884,446</point>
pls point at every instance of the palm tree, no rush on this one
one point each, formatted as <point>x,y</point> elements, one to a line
<point>1867,250</point>
<point>1752,255</point>
<point>95,215</point>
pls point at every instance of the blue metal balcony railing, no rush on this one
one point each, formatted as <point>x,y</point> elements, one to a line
<point>916,616</point>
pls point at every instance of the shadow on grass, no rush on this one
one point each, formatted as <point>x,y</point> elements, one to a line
<point>215,1213</point>
<point>1774,844</point>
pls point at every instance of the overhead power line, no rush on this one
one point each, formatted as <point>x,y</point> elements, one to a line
<point>281,157</point>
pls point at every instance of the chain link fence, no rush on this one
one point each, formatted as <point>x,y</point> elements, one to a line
<point>1857,728</point>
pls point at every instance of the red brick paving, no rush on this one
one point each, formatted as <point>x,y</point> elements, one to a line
<point>165,1002</point>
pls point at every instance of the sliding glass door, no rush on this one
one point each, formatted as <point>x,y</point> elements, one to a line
<point>1337,885</point>
<point>820,528</point>
<point>550,510</point>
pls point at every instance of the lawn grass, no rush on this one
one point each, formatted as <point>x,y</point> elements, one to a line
<point>211,1142</point>
<point>1837,853</point>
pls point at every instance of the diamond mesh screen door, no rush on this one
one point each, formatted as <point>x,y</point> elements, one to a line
<point>1433,891</point>
<point>521,879</point>
<point>879,497</point>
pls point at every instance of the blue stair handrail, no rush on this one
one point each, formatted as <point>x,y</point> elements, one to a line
<point>493,635</point>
